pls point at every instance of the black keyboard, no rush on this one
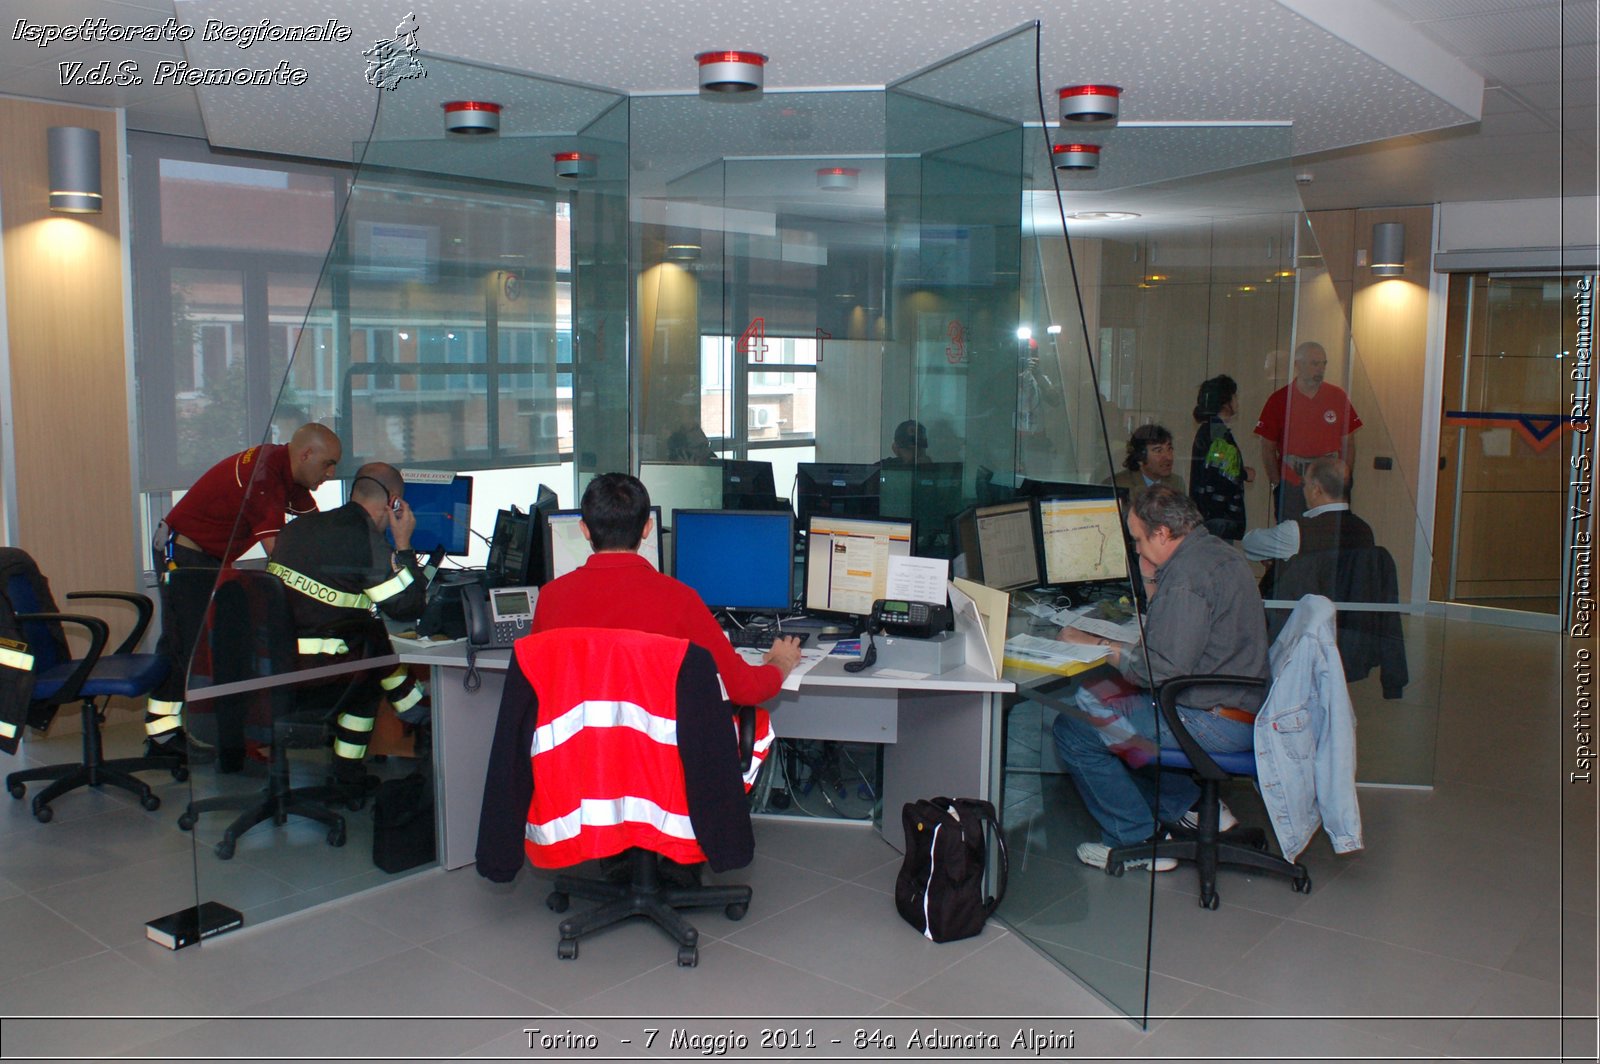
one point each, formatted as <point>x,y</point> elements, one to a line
<point>761,638</point>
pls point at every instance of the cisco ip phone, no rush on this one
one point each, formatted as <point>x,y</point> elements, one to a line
<point>499,616</point>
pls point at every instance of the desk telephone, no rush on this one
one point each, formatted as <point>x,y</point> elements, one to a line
<point>918,620</point>
<point>499,616</point>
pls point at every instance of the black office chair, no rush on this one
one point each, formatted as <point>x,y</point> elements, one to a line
<point>250,635</point>
<point>644,894</point>
<point>60,679</point>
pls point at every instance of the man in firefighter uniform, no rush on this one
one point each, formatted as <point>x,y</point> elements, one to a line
<point>239,502</point>
<point>338,566</point>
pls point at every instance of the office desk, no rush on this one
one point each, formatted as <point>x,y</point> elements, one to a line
<point>938,733</point>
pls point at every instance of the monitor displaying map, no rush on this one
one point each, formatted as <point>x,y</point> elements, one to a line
<point>1082,540</point>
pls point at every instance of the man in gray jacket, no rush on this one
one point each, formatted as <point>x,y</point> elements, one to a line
<point>1205,617</point>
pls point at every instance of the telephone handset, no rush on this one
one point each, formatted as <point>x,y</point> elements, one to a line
<point>497,617</point>
<point>918,620</point>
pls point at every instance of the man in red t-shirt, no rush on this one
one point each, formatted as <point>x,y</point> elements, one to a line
<point>1302,421</point>
<point>237,503</point>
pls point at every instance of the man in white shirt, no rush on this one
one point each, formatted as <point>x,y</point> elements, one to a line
<point>1327,523</point>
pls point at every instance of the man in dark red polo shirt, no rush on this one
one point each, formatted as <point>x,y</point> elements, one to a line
<point>239,502</point>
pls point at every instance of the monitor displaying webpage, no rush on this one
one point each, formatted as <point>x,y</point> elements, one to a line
<point>569,548</point>
<point>847,561</point>
<point>1082,540</point>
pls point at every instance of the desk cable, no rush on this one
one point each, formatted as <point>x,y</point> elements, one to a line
<point>867,660</point>
<point>472,679</point>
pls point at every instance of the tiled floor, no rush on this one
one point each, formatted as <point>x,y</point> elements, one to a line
<point>1458,932</point>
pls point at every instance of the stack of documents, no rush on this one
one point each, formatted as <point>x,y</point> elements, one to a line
<point>1051,655</point>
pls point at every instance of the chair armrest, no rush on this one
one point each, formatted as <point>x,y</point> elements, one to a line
<point>99,635</point>
<point>139,602</point>
<point>1168,701</point>
<point>747,737</point>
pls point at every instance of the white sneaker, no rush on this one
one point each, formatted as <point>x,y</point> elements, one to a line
<point>1226,821</point>
<point>1095,855</point>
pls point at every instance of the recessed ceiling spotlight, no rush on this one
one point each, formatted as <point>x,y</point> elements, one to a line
<point>725,72</point>
<point>1102,216</point>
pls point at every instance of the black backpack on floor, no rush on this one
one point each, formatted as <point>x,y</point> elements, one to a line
<point>940,887</point>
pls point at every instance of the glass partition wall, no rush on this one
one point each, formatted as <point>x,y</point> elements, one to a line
<point>791,278</point>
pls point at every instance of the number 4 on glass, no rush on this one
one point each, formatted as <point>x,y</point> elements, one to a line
<point>753,341</point>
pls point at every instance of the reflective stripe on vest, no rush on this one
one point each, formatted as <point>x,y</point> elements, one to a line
<point>321,592</point>
<point>391,587</point>
<point>610,812</point>
<point>312,645</point>
<point>16,659</point>
<point>601,714</point>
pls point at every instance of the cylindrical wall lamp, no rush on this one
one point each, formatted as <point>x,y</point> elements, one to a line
<point>74,170</point>
<point>1076,156</point>
<point>838,178</point>
<point>730,72</point>
<point>574,164</point>
<point>471,117</point>
<point>1091,104</point>
<point>1388,249</point>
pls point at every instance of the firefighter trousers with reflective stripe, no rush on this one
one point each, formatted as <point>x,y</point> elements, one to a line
<point>183,613</point>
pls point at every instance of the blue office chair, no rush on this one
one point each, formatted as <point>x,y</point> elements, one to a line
<point>60,679</point>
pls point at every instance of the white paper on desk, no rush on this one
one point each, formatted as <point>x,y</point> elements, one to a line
<point>1049,653</point>
<point>993,607</point>
<point>809,657</point>
<point>917,579</point>
<point>974,638</point>
<point>1126,632</point>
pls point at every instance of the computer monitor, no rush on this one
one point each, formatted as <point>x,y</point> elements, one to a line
<point>516,551</point>
<point>929,493</point>
<point>1082,540</point>
<point>566,548</point>
<point>749,485</point>
<point>1001,544</point>
<point>736,559</point>
<point>444,513</point>
<point>682,486</point>
<point>847,562</point>
<point>839,489</point>
<point>1066,489</point>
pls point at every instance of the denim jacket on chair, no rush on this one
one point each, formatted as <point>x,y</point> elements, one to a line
<point>1305,736</point>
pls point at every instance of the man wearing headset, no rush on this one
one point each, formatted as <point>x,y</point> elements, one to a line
<point>337,566</point>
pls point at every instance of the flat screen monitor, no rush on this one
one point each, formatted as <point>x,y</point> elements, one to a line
<point>682,486</point>
<point>847,562</point>
<point>736,559</point>
<point>748,485</point>
<point>839,489</point>
<point>930,493</point>
<point>516,551</point>
<point>1067,489</point>
<point>444,514</point>
<point>1002,545</point>
<point>1082,540</point>
<point>566,548</point>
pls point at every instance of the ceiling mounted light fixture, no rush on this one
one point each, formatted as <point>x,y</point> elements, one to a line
<point>1102,216</point>
<point>1096,105</point>
<point>683,252</point>
<point>838,178</point>
<point>74,169</point>
<point>730,72</point>
<point>1076,156</point>
<point>574,164</point>
<point>471,117</point>
<point>1388,249</point>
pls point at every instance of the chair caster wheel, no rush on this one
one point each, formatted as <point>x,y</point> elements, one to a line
<point>186,822</point>
<point>43,813</point>
<point>1302,884</point>
<point>336,836</point>
<point>1209,901</point>
<point>688,956</point>
<point>17,790</point>
<point>150,802</point>
<point>224,849</point>
<point>736,910</point>
<point>567,949</point>
<point>181,773</point>
<point>557,902</point>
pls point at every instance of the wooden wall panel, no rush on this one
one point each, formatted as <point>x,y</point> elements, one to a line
<point>64,304</point>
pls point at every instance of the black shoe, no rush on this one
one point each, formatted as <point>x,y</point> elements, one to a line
<point>352,774</point>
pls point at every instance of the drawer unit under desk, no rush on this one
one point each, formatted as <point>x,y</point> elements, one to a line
<point>850,714</point>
